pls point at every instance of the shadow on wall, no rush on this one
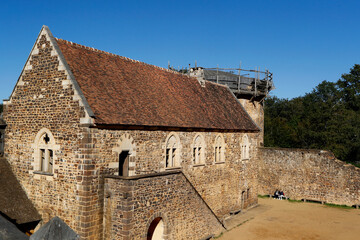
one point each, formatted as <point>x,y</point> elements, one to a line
<point>15,206</point>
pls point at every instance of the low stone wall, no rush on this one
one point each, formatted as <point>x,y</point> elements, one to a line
<point>132,203</point>
<point>308,174</point>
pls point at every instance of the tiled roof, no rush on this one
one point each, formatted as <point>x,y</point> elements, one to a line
<point>121,91</point>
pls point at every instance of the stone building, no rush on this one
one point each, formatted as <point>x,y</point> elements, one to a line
<point>251,88</point>
<point>120,149</point>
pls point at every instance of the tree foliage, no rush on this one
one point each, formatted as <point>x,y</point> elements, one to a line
<point>327,118</point>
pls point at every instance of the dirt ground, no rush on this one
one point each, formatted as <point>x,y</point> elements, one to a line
<point>281,219</point>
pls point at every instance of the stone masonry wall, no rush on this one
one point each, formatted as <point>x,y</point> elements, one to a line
<point>135,203</point>
<point>220,184</point>
<point>45,98</point>
<point>309,174</point>
<point>256,111</point>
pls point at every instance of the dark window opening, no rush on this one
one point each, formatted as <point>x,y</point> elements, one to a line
<point>46,138</point>
<point>124,163</point>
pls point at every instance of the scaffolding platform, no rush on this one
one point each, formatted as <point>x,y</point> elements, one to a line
<point>252,84</point>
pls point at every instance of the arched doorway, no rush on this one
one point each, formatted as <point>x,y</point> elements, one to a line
<point>156,229</point>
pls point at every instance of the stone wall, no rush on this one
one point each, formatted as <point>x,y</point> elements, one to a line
<point>309,174</point>
<point>256,111</point>
<point>134,202</point>
<point>221,184</point>
<point>45,98</point>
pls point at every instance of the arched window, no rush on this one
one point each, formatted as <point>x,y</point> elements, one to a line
<point>198,149</point>
<point>44,152</point>
<point>219,149</point>
<point>172,151</point>
<point>245,147</point>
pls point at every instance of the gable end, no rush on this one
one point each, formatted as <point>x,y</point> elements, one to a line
<point>70,80</point>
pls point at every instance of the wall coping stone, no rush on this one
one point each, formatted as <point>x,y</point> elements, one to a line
<point>149,175</point>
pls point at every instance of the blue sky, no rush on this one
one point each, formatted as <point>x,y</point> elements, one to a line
<point>301,42</point>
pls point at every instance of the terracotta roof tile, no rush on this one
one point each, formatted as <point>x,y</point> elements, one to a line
<point>121,91</point>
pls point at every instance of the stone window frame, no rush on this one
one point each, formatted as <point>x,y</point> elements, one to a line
<point>125,143</point>
<point>219,148</point>
<point>169,151</point>
<point>198,158</point>
<point>245,147</point>
<point>40,145</point>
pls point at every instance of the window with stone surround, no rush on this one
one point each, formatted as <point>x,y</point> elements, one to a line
<point>172,151</point>
<point>219,149</point>
<point>44,148</point>
<point>125,156</point>
<point>245,147</point>
<point>198,150</point>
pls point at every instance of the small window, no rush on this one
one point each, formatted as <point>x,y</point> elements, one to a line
<point>172,152</point>
<point>46,155</point>
<point>245,148</point>
<point>44,152</point>
<point>219,149</point>
<point>198,150</point>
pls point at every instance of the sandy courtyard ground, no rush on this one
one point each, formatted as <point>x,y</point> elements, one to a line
<point>281,219</point>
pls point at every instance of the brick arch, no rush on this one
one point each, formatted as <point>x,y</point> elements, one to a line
<point>126,142</point>
<point>167,228</point>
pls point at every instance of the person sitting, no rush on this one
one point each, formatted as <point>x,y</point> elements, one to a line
<point>281,195</point>
<point>276,194</point>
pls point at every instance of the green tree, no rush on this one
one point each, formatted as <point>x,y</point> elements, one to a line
<point>326,118</point>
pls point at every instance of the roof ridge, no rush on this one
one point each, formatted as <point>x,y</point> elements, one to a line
<point>115,55</point>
